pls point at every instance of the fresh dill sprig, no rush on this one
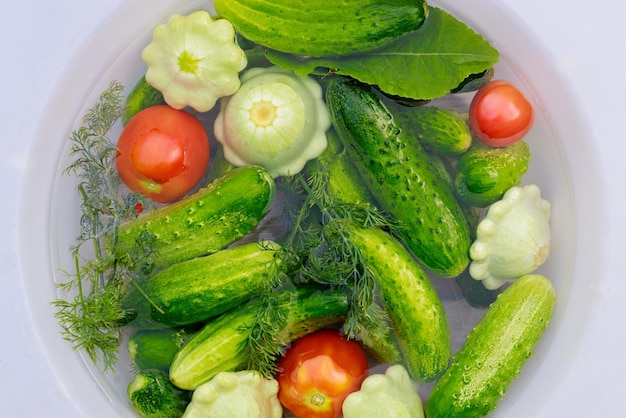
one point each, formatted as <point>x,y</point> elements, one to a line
<point>264,343</point>
<point>337,260</point>
<point>266,339</point>
<point>91,311</point>
<point>317,249</point>
<point>331,256</point>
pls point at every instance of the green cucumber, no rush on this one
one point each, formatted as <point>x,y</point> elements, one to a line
<point>343,182</point>
<point>382,343</point>
<point>152,395</point>
<point>155,349</point>
<point>198,289</point>
<point>206,221</point>
<point>309,27</point>
<point>143,95</point>
<point>220,345</point>
<point>440,130</point>
<point>345,185</point>
<point>484,173</point>
<point>400,176</point>
<point>415,311</point>
<point>474,291</point>
<point>495,351</point>
<point>445,170</point>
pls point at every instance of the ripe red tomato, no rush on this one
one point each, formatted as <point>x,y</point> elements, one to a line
<point>318,372</point>
<point>500,114</point>
<point>162,153</point>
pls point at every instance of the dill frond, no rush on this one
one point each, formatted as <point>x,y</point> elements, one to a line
<point>90,313</point>
<point>264,344</point>
<point>331,257</point>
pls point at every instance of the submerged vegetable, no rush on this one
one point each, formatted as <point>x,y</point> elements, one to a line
<point>152,395</point>
<point>162,153</point>
<point>277,120</point>
<point>344,183</point>
<point>500,114</point>
<point>143,95</point>
<point>312,28</point>
<point>441,131</point>
<point>227,343</point>
<point>318,371</point>
<point>194,60</point>
<point>495,351</point>
<point>195,290</point>
<point>156,349</point>
<point>513,239</point>
<point>393,394</point>
<point>400,175</point>
<point>474,292</point>
<point>206,221</point>
<point>236,394</point>
<point>484,173</point>
<point>415,311</point>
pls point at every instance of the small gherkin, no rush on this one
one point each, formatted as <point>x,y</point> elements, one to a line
<point>484,173</point>
<point>153,395</point>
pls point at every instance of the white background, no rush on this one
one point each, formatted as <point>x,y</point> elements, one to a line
<point>37,40</point>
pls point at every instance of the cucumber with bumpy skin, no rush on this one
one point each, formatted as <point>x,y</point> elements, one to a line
<point>445,170</point>
<point>415,311</point>
<point>495,351</point>
<point>309,27</point>
<point>220,345</point>
<point>206,221</point>
<point>382,344</point>
<point>473,291</point>
<point>400,176</point>
<point>343,183</point>
<point>484,173</point>
<point>441,131</point>
<point>195,290</point>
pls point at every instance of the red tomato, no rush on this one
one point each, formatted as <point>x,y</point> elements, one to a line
<point>318,372</point>
<point>500,114</point>
<point>162,153</point>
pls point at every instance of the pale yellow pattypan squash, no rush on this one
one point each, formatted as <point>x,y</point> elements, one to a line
<point>277,120</point>
<point>392,394</point>
<point>242,394</point>
<point>194,60</point>
<point>513,239</point>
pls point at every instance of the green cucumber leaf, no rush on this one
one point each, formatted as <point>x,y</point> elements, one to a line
<point>424,64</point>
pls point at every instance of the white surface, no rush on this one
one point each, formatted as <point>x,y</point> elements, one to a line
<point>39,38</point>
<point>584,41</point>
